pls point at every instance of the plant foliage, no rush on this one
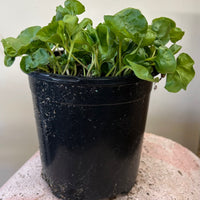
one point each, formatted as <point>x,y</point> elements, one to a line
<point>123,44</point>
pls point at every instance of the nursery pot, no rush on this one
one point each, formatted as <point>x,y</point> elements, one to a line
<point>90,133</point>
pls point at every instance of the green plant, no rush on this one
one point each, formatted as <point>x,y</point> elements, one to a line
<point>123,44</point>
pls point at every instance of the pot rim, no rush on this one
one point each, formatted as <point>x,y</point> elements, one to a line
<point>125,80</point>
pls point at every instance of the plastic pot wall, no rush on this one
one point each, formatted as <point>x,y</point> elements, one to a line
<point>90,133</point>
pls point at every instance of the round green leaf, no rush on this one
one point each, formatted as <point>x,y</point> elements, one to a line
<point>176,34</point>
<point>149,38</point>
<point>165,61</point>
<point>162,26</point>
<point>128,23</point>
<point>141,72</point>
<point>75,7</point>
<point>175,48</point>
<point>183,74</point>
<point>8,61</point>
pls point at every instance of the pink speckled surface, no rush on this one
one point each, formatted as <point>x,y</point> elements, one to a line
<point>168,171</point>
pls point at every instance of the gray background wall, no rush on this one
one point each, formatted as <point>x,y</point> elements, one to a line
<point>176,116</point>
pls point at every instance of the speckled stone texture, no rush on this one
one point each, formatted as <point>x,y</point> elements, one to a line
<point>168,171</point>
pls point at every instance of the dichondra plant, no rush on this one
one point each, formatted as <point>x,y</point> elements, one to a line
<point>123,44</point>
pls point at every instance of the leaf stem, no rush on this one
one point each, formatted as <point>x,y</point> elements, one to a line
<point>75,69</point>
<point>68,60</point>
<point>135,51</point>
<point>55,48</point>
<point>120,54</point>
<point>76,59</point>
<point>54,58</point>
<point>126,71</point>
<point>59,67</point>
<point>111,70</point>
<point>119,72</point>
<point>84,73</point>
<point>54,69</point>
<point>44,69</point>
<point>91,66</point>
<point>97,65</point>
<point>153,53</point>
<point>150,59</point>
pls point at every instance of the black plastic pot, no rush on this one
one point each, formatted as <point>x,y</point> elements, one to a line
<point>90,132</point>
